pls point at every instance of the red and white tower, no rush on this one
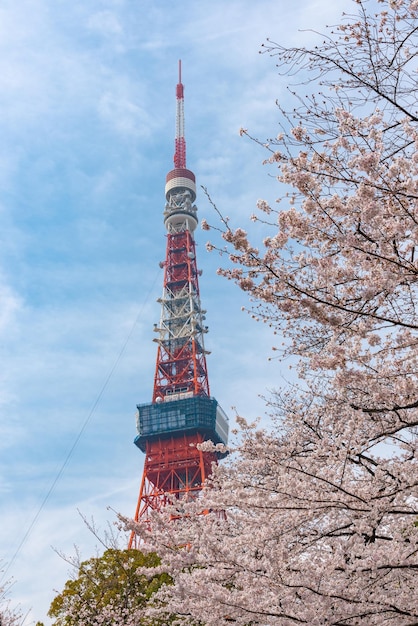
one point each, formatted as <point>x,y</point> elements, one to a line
<point>182,412</point>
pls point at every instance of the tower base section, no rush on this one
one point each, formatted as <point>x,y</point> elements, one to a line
<point>174,469</point>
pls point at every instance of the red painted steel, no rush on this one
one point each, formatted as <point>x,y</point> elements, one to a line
<point>180,153</point>
<point>181,172</point>
<point>174,470</point>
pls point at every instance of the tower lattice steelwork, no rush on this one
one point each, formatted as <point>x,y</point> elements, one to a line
<point>182,412</point>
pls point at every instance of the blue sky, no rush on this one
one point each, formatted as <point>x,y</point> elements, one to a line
<point>87,105</point>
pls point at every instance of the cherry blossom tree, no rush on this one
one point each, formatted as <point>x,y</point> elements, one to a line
<point>315,521</point>
<point>9,616</point>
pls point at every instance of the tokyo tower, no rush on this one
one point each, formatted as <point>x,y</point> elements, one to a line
<point>182,412</point>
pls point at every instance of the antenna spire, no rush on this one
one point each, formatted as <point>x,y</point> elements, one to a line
<point>180,141</point>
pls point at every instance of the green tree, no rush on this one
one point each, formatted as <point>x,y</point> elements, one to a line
<point>111,589</point>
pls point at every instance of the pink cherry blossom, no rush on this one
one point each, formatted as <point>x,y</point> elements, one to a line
<point>315,521</point>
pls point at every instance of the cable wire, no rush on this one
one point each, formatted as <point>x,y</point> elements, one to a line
<point>79,435</point>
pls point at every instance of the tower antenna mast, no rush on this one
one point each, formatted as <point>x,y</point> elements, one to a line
<point>180,141</point>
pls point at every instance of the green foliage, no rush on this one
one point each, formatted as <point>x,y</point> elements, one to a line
<point>108,585</point>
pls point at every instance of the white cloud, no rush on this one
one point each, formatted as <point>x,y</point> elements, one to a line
<point>124,114</point>
<point>106,23</point>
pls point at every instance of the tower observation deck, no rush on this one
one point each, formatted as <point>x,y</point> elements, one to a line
<point>182,412</point>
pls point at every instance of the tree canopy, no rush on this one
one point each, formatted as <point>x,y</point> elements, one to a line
<point>113,588</point>
<point>9,615</point>
<point>319,523</point>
